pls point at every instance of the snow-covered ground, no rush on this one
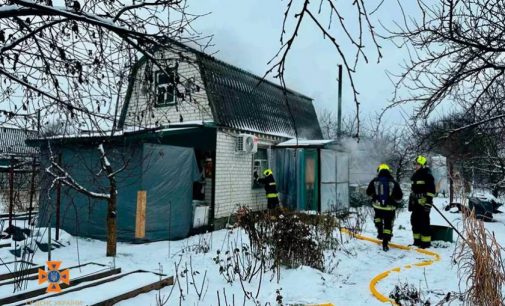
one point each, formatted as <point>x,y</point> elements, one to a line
<point>350,269</point>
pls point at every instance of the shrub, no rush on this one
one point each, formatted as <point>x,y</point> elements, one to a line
<point>480,262</point>
<point>291,239</point>
<point>358,199</point>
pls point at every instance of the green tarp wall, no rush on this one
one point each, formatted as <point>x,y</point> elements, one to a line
<point>166,172</point>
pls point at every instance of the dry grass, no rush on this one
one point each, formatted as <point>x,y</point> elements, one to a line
<point>481,264</point>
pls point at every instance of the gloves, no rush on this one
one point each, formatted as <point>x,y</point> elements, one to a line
<point>421,201</point>
<point>427,208</point>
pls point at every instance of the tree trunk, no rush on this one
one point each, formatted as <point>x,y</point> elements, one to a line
<point>111,221</point>
<point>451,183</point>
<point>11,191</point>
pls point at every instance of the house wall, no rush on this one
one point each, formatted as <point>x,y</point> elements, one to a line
<point>234,175</point>
<point>141,111</point>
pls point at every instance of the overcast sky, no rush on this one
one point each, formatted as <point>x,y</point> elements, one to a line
<point>246,34</point>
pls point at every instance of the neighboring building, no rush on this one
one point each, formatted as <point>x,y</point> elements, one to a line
<point>438,165</point>
<point>17,164</point>
<point>230,119</point>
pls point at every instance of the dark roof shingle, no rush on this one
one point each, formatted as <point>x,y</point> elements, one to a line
<point>244,101</point>
<point>12,141</point>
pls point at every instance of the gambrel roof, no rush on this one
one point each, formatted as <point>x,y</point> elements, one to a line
<point>12,142</point>
<point>244,101</point>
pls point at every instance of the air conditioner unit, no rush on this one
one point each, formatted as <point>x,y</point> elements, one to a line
<point>247,143</point>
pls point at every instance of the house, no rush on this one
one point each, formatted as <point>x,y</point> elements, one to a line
<point>229,100</point>
<point>18,168</point>
<point>231,121</point>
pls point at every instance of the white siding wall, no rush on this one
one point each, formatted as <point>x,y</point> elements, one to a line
<point>234,176</point>
<point>141,111</point>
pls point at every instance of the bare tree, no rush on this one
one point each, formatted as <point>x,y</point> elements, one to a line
<point>456,52</point>
<point>73,61</point>
<point>328,16</point>
<point>70,62</point>
<point>329,125</point>
<point>60,174</point>
<point>477,152</point>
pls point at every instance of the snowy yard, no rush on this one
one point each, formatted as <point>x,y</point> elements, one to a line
<point>349,269</point>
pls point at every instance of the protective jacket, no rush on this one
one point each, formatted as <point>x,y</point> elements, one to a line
<point>420,203</point>
<point>385,191</point>
<point>270,190</point>
<point>423,187</point>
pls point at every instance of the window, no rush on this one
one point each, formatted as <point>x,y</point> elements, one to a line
<point>165,88</point>
<point>260,163</point>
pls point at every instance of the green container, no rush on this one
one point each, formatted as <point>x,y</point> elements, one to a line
<point>441,233</point>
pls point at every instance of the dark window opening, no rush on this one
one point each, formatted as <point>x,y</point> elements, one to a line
<point>165,88</point>
<point>260,164</point>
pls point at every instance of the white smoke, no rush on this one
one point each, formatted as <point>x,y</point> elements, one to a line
<point>364,158</point>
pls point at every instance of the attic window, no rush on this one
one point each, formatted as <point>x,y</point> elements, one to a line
<point>165,88</point>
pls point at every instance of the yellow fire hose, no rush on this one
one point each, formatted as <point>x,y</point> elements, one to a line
<point>383,275</point>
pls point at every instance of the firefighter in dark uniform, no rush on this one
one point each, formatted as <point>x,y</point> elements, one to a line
<point>385,193</point>
<point>270,188</point>
<point>421,201</point>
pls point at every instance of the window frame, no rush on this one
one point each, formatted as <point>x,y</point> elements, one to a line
<point>157,85</point>
<point>264,164</point>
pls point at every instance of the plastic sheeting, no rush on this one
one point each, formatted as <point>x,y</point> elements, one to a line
<point>295,171</point>
<point>334,180</point>
<point>287,175</point>
<point>168,176</point>
<point>166,172</point>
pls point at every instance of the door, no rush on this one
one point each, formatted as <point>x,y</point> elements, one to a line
<point>334,180</point>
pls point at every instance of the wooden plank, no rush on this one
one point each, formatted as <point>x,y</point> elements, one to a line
<point>140,222</point>
<point>169,281</point>
<point>21,272</point>
<point>41,291</point>
<point>100,282</point>
<point>35,275</point>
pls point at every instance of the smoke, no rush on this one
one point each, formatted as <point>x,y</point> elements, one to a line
<point>364,158</point>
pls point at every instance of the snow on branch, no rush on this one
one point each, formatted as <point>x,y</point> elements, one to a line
<point>59,174</point>
<point>73,63</point>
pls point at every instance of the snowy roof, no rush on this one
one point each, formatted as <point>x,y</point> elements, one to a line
<point>12,141</point>
<point>120,135</point>
<point>305,143</point>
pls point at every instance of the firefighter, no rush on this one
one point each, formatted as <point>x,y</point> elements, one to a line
<point>420,202</point>
<point>270,187</point>
<point>385,193</point>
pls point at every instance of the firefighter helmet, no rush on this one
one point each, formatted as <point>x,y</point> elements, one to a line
<point>383,167</point>
<point>267,172</point>
<point>421,160</point>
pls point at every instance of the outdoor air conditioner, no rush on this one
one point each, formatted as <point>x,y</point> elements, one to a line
<point>247,143</point>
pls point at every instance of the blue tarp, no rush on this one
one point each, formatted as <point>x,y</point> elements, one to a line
<point>166,172</point>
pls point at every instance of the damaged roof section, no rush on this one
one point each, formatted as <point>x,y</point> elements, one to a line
<point>12,142</point>
<point>245,101</point>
